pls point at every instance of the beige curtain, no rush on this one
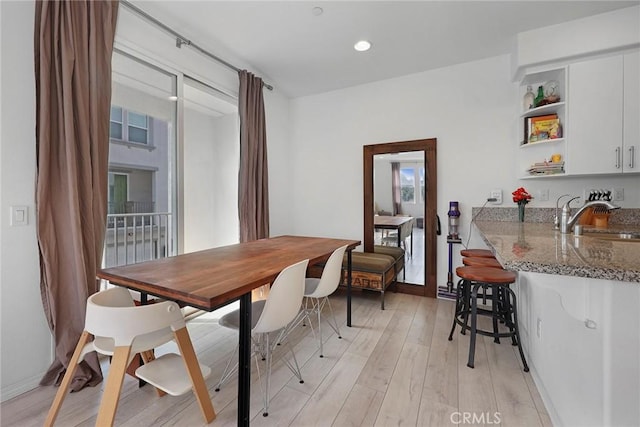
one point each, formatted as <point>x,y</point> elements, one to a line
<point>253,182</point>
<point>395,188</point>
<point>73,45</point>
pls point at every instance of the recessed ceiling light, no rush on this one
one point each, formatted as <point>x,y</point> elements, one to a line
<point>362,46</point>
<point>317,11</point>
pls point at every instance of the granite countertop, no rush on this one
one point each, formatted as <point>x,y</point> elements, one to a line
<point>537,247</point>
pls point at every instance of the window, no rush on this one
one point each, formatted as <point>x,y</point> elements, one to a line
<point>115,126</point>
<point>129,126</point>
<point>407,185</point>
<point>137,127</point>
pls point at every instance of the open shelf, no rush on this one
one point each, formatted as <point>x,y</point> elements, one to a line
<point>546,141</point>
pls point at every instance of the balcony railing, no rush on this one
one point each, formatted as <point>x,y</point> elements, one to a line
<point>130,207</point>
<point>137,237</point>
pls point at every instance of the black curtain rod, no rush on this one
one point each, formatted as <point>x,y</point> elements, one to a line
<point>181,40</point>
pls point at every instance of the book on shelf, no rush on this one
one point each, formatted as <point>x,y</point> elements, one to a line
<point>546,168</point>
<point>542,128</point>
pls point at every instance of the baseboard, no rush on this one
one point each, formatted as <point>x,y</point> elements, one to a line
<point>21,387</point>
<point>546,400</point>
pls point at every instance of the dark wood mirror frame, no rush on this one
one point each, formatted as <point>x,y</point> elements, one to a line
<point>428,147</point>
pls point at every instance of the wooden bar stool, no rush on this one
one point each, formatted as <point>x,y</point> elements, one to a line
<point>480,253</point>
<point>503,306</point>
<point>481,262</point>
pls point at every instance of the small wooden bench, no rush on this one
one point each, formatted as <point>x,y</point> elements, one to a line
<point>372,271</point>
<point>397,254</point>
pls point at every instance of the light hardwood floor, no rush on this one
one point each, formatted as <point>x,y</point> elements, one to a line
<point>393,367</point>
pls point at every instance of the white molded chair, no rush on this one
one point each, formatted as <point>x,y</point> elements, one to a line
<point>317,292</point>
<point>121,330</point>
<point>273,314</point>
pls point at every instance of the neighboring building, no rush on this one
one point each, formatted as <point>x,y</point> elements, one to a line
<point>138,163</point>
<point>138,184</point>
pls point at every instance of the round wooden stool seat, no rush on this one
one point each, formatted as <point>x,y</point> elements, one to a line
<point>481,253</point>
<point>481,262</point>
<point>487,275</point>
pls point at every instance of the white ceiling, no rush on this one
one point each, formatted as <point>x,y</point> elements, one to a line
<point>302,54</point>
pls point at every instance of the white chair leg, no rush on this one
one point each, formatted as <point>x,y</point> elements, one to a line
<point>295,368</point>
<point>227,372</point>
<point>319,310</point>
<point>335,326</point>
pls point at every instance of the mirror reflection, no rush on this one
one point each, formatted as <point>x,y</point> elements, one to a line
<point>399,202</point>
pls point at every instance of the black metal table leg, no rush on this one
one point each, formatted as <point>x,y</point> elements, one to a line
<point>244,360</point>
<point>349,287</point>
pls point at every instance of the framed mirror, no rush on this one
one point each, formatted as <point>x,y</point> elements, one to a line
<point>400,195</point>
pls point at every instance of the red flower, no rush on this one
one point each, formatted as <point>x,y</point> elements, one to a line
<point>521,196</point>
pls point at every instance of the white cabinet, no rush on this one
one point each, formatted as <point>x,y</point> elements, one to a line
<point>599,111</point>
<point>595,116</point>
<point>581,338</point>
<point>630,152</point>
<point>603,119</point>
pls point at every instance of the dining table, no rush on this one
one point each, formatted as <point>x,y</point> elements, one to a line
<point>396,222</point>
<point>212,278</point>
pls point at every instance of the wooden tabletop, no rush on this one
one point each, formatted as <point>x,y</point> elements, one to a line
<point>385,221</point>
<point>211,278</point>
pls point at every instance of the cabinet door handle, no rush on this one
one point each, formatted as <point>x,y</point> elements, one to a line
<point>632,154</point>
<point>617,157</point>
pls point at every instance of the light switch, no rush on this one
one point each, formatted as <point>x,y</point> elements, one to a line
<point>19,215</point>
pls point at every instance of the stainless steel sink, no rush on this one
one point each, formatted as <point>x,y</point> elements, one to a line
<point>616,236</point>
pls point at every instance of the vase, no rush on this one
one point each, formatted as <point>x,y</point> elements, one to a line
<point>521,212</point>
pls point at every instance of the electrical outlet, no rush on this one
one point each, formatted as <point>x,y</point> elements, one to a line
<point>496,193</point>
<point>543,195</point>
<point>539,328</point>
<point>618,194</point>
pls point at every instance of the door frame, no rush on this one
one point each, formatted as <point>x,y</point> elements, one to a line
<point>428,147</point>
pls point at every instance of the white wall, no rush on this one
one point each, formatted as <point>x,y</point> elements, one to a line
<point>226,225</point>
<point>472,109</point>
<point>382,184</point>
<point>25,339</point>
<point>199,143</point>
<point>586,36</point>
<point>279,160</point>
<point>469,108</point>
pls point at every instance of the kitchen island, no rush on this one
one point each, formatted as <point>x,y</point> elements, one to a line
<point>538,248</point>
<point>579,317</point>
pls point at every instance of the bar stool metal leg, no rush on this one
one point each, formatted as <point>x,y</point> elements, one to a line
<point>495,312</point>
<point>458,307</point>
<point>474,326</point>
<point>517,332</point>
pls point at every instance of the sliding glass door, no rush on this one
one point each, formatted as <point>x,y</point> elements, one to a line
<point>173,164</point>
<point>141,222</point>
<point>211,158</point>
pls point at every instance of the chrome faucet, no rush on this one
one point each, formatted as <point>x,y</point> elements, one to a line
<point>556,218</point>
<point>567,221</point>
